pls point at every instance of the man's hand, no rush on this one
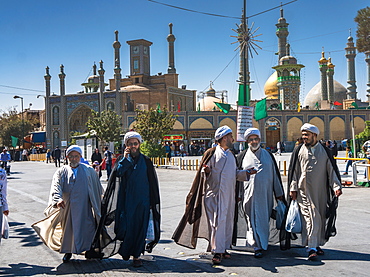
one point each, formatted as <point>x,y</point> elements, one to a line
<point>6,212</point>
<point>293,195</point>
<point>206,169</point>
<point>251,171</point>
<point>61,204</point>
<point>127,152</point>
<point>338,192</point>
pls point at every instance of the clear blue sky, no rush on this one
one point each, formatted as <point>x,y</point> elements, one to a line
<point>36,34</point>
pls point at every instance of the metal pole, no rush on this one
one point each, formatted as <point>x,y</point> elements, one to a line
<point>353,135</point>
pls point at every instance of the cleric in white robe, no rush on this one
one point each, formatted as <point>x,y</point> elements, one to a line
<point>74,207</point>
<point>258,194</point>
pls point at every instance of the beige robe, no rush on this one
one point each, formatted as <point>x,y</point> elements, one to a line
<point>219,199</point>
<point>312,172</point>
<point>59,230</point>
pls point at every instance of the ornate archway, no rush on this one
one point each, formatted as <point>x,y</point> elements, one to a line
<point>78,119</point>
<point>272,128</point>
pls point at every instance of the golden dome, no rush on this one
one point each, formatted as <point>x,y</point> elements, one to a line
<point>270,88</point>
<point>208,103</point>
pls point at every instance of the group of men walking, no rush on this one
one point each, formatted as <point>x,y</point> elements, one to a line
<point>230,197</point>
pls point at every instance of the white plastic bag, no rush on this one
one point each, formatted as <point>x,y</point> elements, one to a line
<point>5,227</point>
<point>150,231</point>
<point>280,213</point>
<point>293,221</point>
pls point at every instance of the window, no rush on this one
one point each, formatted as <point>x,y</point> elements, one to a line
<point>56,115</point>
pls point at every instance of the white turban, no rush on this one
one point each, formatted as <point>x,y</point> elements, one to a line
<point>252,131</point>
<point>311,128</point>
<point>222,131</point>
<point>74,148</point>
<point>130,135</point>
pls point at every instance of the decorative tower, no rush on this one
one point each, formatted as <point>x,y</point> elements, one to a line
<point>140,59</point>
<point>92,84</point>
<point>101,87</point>
<point>330,76</point>
<point>323,66</point>
<point>63,106</point>
<point>171,51</point>
<point>282,33</point>
<point>367,60</point>
<point>351,55</point>
<point>289,80</point>
<point>47,78</point>
<point>117,75</point>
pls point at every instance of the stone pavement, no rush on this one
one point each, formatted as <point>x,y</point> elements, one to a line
<point>23,254</point>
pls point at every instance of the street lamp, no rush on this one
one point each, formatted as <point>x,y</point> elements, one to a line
<point>16,97</point>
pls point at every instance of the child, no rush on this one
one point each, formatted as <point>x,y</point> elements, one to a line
<point>349,162</point>
<point>96,166</point>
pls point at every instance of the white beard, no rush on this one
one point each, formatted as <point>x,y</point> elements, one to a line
<point>254,148</point>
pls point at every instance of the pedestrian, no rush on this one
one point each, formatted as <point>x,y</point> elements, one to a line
<point>278,147</point>
<point>182,149</point>
<point>4,210</point>
<point>96,167</point>
<point>214,186</point>
<point>131,204</point>
<point>108,159</point>
<point>48,156</point>
<point>314,182</point>
<point>259,193</point>
<point>366,149</point>
<point>5,158</point>
<point>24,155</point>
<point>56,154</point>
<point>96,156</point>
<point>349,162</point>
<point>74,206</point>
<point>167,149</point>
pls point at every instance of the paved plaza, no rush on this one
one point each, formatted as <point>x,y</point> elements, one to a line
<point>23,254</point>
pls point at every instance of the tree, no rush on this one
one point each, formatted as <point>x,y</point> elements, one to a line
<point>152,125</point>
<point>363,30</point>
<point>12,125</point>
<point>365,135</point>
<point>106,126</point>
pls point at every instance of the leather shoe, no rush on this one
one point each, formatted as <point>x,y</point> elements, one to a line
<point>67,257</point>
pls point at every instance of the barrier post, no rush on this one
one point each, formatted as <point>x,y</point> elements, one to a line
<point>284,168</point>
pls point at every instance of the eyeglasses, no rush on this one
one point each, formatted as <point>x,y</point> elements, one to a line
<point>253,139</point>
<point>133,144</point>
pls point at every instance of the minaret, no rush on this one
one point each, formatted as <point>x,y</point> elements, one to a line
<point>351,55</point>
<point>367,60</point>
<point>171,51</point>
<point>117,75</point>
<point>63,106</point>
<point>117,69</point>
<point>282,33</point>
<point>330,75</point>
<point>323,67</point>
<point>101,87</point>
<point>47,78</point>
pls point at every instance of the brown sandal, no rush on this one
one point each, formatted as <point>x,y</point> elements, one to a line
<point>226,255</point>
<point>216,260</point>
<point>312,255</point>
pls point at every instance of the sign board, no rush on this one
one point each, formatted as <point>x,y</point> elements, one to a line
<point>244,121</point>
<point>173,137</point>
<point>63,143</point>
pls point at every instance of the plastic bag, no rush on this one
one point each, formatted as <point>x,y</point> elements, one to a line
<point>293,221</point>
<point>150,231</point>
<point>5,227</point>
<point>280,213</point>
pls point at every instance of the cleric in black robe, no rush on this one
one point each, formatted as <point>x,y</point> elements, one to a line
<point>132,194</point>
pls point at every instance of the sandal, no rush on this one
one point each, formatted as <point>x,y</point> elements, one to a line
<point>319,251</point>
<point>226,255</point>
<point>137,263</point>
<point>258,253</point>
<point>217,259</point>
<point>312,255</point>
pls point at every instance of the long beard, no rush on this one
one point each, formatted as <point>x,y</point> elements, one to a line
<point>73,164</point>
<point>254,148</point>
<point>136,153</point>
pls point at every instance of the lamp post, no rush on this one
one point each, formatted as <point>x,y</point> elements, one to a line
<point>16,97</point>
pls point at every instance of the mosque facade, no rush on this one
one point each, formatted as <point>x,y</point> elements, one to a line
<point>67,113</point>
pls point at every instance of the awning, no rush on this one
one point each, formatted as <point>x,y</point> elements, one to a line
<point>38,137</point>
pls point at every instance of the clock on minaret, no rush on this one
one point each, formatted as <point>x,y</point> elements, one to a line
<point>135,49</point>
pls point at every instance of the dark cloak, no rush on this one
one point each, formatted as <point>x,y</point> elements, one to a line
<point>331,205</point>
<point>240,223</point>
<point>106,243</point>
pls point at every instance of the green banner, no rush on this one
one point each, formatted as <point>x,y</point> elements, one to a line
<point>223,107</point>
<point>14,141</point>
<point>260,111</point>
<point>244,96</point>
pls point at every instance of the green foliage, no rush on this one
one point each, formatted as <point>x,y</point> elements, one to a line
<point>152,150</point>
<point>105,125</point>
<point>12,125</point>
<point>365,135</point>
<point>74,134</point>
<point>363,30</point>
<point>152,125</point>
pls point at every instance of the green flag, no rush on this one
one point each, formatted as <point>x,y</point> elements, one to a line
<point>223,107</point>
<point>243,98</point>
<point>260,111</point>
<point>354,104</point>
<point>159,108</point>
<point>317,106</point>
<point>198,109</point>
<point>14,141</point>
